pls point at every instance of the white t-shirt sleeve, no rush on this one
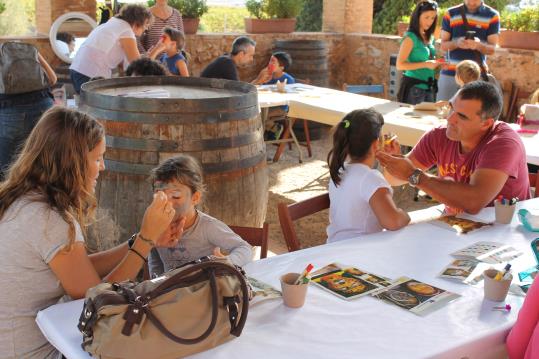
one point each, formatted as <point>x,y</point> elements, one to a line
<point>373,181</point>
<point>54,235</point>
<point>220,235</point>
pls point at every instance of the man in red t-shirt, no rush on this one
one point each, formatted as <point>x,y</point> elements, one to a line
<point>478,158</point>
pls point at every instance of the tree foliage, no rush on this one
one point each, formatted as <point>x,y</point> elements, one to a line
<point>191,9</point>
<point>223,19</point>
<point>18,17</point>
<point>276,9</point>
<point>310,18</point>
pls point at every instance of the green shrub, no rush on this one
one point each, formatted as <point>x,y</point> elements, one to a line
<point>2,7</point>
<point>310,18</point>
<point>524,20</point>
<point>190,9</point>
<point>278,9</point>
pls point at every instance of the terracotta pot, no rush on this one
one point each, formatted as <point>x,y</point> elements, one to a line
<point>402,27</point>
<point>519,39</point>
<point>190,26</point>
<point>264,26</point>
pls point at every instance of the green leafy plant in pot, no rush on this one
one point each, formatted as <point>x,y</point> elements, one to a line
<point>272,16</point>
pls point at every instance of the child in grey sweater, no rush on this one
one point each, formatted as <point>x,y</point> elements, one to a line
<point>181,179</point>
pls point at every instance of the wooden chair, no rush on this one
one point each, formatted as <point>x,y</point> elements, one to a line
<point>289,131</point>
<point>255,237</point>
<point>534,182</point>
<point>288,213</point>
<point>517,95</point>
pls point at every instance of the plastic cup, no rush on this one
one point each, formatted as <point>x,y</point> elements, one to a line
<point>496,290</point>
<point>293,294</point>
<point>504,212</point>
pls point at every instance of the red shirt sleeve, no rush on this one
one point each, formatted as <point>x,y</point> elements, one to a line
<point>424,150</point>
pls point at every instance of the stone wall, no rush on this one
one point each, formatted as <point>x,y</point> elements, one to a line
<point>353,58</point>
<point>48,11</point>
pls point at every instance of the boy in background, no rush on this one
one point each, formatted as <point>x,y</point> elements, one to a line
<point>172,42</point>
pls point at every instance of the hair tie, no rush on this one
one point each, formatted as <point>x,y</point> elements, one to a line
<point>346,123</point>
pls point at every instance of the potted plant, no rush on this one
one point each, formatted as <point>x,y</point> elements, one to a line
<point>521,29</point>
<point>191,11</point>
<point>270,16</point>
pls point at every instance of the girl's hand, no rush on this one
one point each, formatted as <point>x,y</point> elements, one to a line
<point>217,252</point>
<point>391,144</point>
<point>432,64</point>
<point>157,217</point>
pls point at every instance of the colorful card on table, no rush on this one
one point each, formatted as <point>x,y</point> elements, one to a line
<point>415,296</point>
<point>467,271</point>
<point>488,252</point>
<point>347,282</point>
<point>460,225</point>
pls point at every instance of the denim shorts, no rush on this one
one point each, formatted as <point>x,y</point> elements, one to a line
<point>417,95</point>
<point>17,119</point>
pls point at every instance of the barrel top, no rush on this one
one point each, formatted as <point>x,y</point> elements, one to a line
<point>168,91</point>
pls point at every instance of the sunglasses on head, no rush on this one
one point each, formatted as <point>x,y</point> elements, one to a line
<point>428,5</point>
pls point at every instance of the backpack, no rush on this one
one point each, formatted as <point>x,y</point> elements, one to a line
<point>20,70</point>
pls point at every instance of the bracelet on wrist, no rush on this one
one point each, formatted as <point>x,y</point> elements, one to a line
<point>148,241</point>
<point>138,254</point>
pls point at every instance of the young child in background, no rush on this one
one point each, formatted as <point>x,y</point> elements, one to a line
<point>280,62</point>
<point>360,197</point>
<point>278,65</point>
<point>467,71</point>
<point>180,178</point>
<point>145,67</point>
<point>172,42</point>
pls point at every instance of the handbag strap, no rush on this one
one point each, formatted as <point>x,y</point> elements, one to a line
<point>477,55</point>
<point>133,314</point>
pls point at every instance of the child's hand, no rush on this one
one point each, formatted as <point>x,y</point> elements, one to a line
<point>391,144</point>
<point>157,217</point>
<point>172,235</point>
<point>217,252</point>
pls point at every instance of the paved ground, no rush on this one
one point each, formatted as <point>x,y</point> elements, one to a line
<point>291,181</point>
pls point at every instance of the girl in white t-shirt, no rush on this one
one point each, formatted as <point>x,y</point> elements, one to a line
<point>361,199</point>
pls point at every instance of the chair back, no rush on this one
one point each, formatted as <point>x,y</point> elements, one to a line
<point>288,213</point>
<point>364,89</point>
<point>534,182</point>
<point>255,237</point>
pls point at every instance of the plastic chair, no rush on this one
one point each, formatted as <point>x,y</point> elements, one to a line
<point>255,237</point>
<point>288,213</point>
<point>363,89</point>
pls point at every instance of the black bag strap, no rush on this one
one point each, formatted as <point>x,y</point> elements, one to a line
<point>478,59</point>
<point>211,269</point>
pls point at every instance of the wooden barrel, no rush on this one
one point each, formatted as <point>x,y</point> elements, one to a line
<point>309,64</point>
<point>309,60</point>
<point>215,121</point>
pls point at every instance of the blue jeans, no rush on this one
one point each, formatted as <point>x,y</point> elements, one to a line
<point>78,80</point>
<point>17,119</point>
<point>447,87</point>
<point>416,95</point>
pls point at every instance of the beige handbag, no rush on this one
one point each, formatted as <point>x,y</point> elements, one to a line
<point>188,310</point>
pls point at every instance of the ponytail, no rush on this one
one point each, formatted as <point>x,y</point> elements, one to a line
<point>353,137</point>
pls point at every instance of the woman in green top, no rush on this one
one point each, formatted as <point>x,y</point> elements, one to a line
<point>417,56</point>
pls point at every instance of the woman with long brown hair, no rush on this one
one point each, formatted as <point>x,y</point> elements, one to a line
<point>46,202</point>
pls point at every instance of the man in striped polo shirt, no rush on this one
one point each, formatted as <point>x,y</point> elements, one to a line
<point>482,19</point>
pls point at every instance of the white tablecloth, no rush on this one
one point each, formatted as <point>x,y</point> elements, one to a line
<point>328,327</point>
<point>329,106</point>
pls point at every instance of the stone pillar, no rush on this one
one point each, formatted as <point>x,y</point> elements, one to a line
<point>347,16</point>
<point>49,10</point>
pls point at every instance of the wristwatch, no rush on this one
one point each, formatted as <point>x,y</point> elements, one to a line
<point>414,177</point>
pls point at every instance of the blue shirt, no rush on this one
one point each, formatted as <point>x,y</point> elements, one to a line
<point>289,80</point>
<point>170,62</point>
<point>485,22</point>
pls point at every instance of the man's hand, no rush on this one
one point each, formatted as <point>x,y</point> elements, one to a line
<point>172,235</point>
<point>263,77</point>
<point>397,166</point>
<point>391,145</point>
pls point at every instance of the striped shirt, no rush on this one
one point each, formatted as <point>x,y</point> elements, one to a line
<point>154,32</point>
<point>485,22</point>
